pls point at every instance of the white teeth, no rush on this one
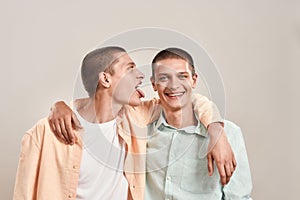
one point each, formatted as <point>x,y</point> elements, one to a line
<point>175,94</point>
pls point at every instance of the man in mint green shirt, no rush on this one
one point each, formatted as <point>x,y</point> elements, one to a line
<point>176,167</point>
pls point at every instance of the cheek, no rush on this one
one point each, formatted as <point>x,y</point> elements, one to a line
<point>124,90</point>
<point>188,85</point>
<point>126,82</point>
<point>160,89</point>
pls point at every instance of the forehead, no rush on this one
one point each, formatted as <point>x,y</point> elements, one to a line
<point>123,58</point>
<point>172,65</point>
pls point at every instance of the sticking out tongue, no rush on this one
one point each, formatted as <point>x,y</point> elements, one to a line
<point>141,93</point>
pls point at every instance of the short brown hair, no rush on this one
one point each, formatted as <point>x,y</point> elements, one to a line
<point>98,60</point>
<point>173,52</point>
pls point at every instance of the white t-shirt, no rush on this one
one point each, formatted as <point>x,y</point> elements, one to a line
<point>101,171</point>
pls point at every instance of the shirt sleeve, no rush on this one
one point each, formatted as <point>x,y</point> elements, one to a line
<point>206,110</point>
<point>27,172</point>
<point>240,184</point>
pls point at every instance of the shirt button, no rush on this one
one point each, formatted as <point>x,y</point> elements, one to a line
<point>169,178</point>
<point>74,167</point>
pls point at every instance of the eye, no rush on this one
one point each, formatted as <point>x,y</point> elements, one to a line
<point>163,78</point>
<point>131,67</point>
<point>182,77</point>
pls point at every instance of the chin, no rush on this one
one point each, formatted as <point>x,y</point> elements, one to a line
<point>175,108</point>
<point>172,107</point>
<point>135,102</point>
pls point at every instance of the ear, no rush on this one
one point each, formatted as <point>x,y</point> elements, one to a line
<point>194,77</point>
<point>153,83</point>
<point>104,79</point>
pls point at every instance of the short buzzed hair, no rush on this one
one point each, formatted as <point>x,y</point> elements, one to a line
<point>98,60</point>
<point>173,52</point>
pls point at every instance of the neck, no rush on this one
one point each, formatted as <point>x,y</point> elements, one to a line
<point>99,108</point>
<point>181,118</point>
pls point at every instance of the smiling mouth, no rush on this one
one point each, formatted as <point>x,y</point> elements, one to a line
<point>177,94</point>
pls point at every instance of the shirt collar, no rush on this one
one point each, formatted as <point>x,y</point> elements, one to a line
<point>161,124</point>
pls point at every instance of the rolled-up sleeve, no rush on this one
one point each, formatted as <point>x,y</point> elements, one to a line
<point>206,110</point>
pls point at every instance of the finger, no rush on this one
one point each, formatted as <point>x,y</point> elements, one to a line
<point>227,179</point>
<point>228,172</point>
<point>52,126</point>
<point>69,129</point>
<point>222,173</point>
<point>76,121</point>
<point>51,123</point>
<point>58,131</point>
<point>210,165</point>
<point>232,168</point>
<point>234,162</point>
<point>50,120</point>
<point>64,131</point>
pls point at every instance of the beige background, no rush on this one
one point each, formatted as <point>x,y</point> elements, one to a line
<point>256,45</point>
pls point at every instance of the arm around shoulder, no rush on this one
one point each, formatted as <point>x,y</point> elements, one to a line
<point>145,113</point>
<point>206,110</point>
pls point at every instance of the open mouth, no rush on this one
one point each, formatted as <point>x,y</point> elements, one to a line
<point>175,94</point>
<point>139,91</point>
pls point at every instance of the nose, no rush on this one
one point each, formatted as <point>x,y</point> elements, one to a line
<point>173,83</point>
<point>139,75</point>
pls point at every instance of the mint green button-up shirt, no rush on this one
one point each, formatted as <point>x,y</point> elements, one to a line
<point>177,167</point>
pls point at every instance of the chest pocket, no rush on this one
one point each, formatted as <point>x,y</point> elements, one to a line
<point>195,178</point>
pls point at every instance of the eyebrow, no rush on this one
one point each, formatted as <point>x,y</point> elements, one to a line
<point>131,63</point>
<point>161,74</point>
